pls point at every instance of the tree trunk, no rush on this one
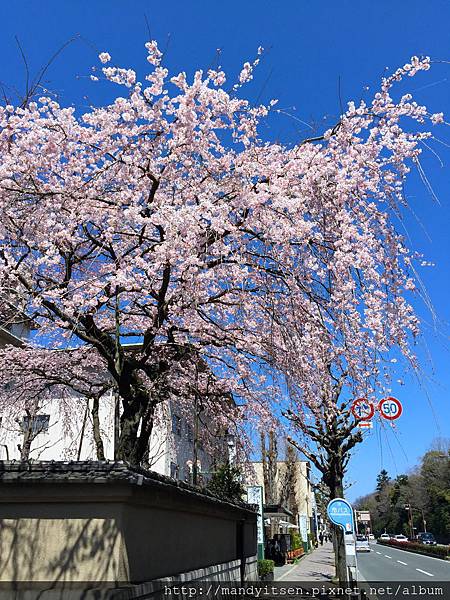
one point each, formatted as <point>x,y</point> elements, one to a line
<point>25,449</point>
<point>140,411</point>
<point>335,484</point>
<point>96,430</point>
<point>127,449</point>
<point>28,436</point>
<point>340,562</point>
<point>142,443</point>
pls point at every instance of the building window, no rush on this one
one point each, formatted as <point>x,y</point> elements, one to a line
<point>174,470</point>
<point>189,433</point>
<point>39,423</point>
<point>176,424</point>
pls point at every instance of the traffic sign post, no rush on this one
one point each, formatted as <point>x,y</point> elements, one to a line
<point>363,411</point>
<point>340,513</point>
<point>390,408</point>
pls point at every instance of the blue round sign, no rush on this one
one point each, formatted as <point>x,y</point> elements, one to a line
<point>340,512</point>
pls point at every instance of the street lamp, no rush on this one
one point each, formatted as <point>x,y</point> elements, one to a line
<point>409,508</point>
<point>410,517</point>
<point>231,445</point>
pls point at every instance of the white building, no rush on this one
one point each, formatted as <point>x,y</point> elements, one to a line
<point>299,501</point>
<point>62,429</point>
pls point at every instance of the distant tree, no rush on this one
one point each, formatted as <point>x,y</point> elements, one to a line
<point>382,480</point>
<point>288,483</point>
<point>426,491</point>
<point>435,475</point>
<point>269,458</point>
<point>226,483</point>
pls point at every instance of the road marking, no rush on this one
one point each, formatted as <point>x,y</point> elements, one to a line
<point>388,556</point>
<point>425,572</point>
<point>378,552</point>
<point>402,563</point>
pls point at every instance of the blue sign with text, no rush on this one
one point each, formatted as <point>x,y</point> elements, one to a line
<point>340,512</point>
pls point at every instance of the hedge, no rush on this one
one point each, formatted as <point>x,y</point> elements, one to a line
<point>265,567</point>
<point>436,551</point>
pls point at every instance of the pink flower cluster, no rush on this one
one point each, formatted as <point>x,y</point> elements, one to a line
<point>164,217</point>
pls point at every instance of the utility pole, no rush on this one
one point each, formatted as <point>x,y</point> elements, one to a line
<point>410,519</point>
<point>424,522</point>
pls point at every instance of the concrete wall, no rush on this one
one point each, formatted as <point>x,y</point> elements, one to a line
<point>55,528</point>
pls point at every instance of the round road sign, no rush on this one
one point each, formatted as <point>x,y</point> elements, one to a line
<point>390,408</point>
<point>362,409</point>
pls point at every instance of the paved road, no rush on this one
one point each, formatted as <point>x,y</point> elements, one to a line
<point>390,564</point>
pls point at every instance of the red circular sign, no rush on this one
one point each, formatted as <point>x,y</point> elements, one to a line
<point>390,408</point>
<point>362,409</point>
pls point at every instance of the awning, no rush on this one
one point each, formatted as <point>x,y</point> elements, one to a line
<point>288,525</point>
<point>276,511</point>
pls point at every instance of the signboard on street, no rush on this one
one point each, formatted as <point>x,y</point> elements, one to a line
<point>303,528</point>
<point>255,496</point>
<point>363,516</point>
<point>340,512</point>
<point>390,408</point>
<point>365,425</point>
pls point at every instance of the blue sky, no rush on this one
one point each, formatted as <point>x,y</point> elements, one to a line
<point>319,55</point>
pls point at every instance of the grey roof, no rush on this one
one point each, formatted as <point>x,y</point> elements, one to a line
<point>48,472</point>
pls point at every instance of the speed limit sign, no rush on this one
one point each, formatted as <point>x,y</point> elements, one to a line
<point>390,408</point>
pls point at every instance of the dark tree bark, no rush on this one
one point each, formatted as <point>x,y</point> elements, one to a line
<point>334,438</point>
<point>96,429</point>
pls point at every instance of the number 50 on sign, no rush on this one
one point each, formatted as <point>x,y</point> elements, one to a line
<point>390,408</point>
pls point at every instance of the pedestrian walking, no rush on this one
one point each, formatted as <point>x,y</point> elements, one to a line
<point>321,538</point>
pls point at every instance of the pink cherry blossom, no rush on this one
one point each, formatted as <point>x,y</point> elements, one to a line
<point>164,217</point>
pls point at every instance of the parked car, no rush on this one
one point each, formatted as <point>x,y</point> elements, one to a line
<point>371,536</point>
<point>385,537</point>
<point>400,538</point>
<point>362,544</point>
<point>426,538</point>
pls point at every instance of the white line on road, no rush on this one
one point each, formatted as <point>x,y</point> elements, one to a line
<point>388,556</point>
<point>425,572</point>
<point>378,552</point>
<point>402,563</point>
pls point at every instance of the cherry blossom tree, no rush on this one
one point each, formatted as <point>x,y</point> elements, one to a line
<point>346,317</point>
<point>164,218</point>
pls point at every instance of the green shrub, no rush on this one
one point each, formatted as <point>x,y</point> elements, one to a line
<point>437,551</point>
<point>296,541</point>
<point>265,567</point>
<point>226,483</point>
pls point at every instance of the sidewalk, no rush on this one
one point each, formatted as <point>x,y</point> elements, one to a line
<point>317,566</point>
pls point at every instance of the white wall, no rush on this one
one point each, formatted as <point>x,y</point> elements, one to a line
<point>62,440</point>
